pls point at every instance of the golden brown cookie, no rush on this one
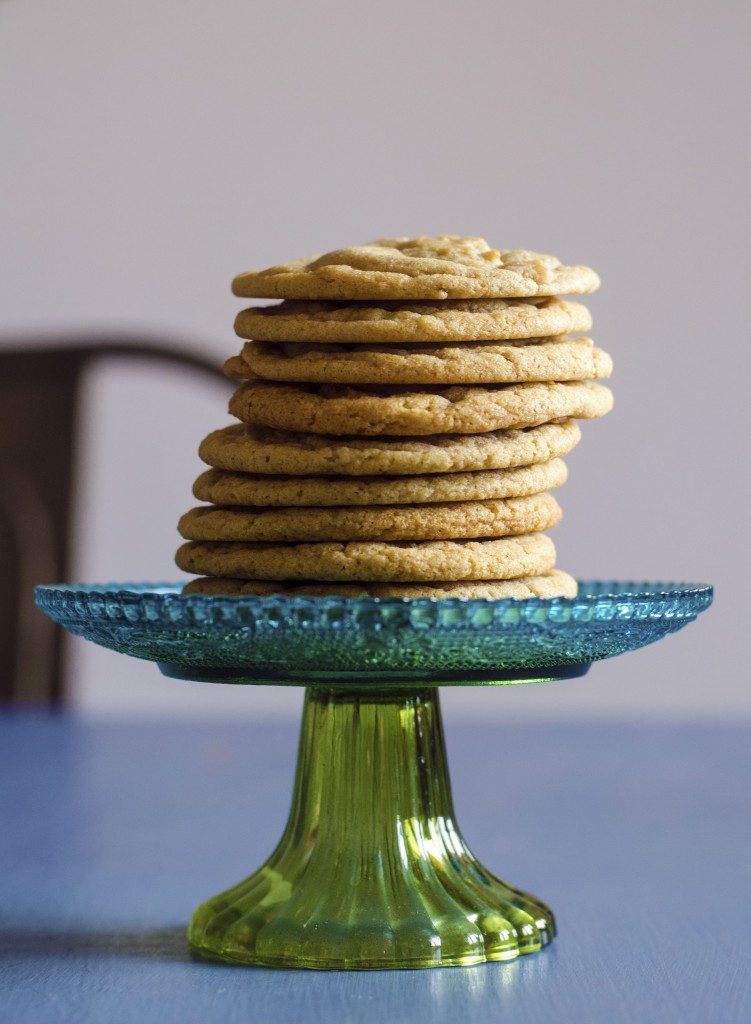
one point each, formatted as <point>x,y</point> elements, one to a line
<point>238,369</point>
<point>244,448</point>
<point>369,561</point>
<point>447,267</point>
<point>509,362</point>
<point>338,409</point>
<point>552,584</point>
<point>449,521</point>
<point>412,322</point>
<point>222,487</point>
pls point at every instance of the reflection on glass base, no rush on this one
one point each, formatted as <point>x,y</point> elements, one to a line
<point>371,871</point>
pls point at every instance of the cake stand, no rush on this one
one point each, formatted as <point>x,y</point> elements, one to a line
<point>372,870</point>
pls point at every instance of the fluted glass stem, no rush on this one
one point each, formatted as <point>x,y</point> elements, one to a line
<point>371,871</point>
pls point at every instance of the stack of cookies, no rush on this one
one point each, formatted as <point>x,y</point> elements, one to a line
<point>403,413</point>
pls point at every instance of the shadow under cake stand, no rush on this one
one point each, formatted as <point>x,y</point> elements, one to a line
<point>372,870</point>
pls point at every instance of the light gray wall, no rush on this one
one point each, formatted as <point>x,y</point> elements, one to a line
<point>151,150</point>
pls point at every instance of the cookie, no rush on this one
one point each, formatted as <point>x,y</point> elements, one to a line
<point>373,561</point>
<point>552,584</point>
<point>244,448</point>
<point>447,267</point>
<point>337,409</point>
<point>448,521</point>
<point>511,362</point>
<point>420,322</point>
<point>221,487</point>
<point>238,369</point>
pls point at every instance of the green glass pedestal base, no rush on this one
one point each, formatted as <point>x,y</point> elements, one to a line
<point>371,871</point>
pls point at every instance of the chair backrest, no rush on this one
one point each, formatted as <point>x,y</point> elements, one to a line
<point>40,387</point>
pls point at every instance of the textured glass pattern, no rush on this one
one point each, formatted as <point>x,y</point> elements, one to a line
<point>371,871</point>
<point>365,640</point>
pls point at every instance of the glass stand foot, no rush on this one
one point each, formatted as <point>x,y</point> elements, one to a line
<point>371,871</point>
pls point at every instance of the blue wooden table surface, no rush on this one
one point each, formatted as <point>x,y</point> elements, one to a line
<point>638,836</point>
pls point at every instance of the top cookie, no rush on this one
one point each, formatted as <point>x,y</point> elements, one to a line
<point>447,267</point>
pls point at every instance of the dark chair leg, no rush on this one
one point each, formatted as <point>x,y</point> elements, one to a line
<point>39,394</point>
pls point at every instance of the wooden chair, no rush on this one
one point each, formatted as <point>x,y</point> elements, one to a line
<point>40,386</point>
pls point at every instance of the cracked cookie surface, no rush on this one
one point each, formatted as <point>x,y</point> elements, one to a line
<point>222,487</point>
<point>440,521</point>
<point>541,359</point>
<point>446,267</point>
<point>373,561</point>
<point>245,448</point>
<point>338,409</point>
<point>406,322</point>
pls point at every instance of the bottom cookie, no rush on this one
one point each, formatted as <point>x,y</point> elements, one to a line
<point>552,584</point>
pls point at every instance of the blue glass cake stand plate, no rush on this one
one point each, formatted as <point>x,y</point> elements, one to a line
<point>372,871</point>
